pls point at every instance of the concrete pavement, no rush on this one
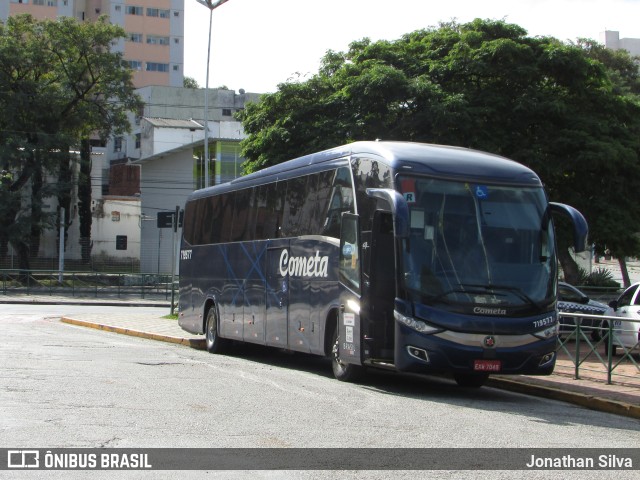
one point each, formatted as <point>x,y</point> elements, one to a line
<point>591,391</point>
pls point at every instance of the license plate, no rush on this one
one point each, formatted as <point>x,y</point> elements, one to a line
<point>487,365</point>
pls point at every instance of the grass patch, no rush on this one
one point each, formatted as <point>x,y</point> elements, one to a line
<point>171,317</point>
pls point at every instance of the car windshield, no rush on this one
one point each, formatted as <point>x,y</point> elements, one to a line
<point>473,244</point>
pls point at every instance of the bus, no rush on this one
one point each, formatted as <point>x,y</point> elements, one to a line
<point>406,256</point>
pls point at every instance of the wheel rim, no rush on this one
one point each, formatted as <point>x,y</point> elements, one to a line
<point>336,357</point>
<point>211,329</point>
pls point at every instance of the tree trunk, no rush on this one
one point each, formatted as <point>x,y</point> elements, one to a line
<point>625,272</point>
<point>65,186</point>
<point>84,201</point>
<point>569,266</point>
<point>22,250</point>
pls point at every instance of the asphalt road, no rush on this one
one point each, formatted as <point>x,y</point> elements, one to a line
<point>67,386</point>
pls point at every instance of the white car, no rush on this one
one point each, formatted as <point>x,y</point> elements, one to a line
<point>626,331</point>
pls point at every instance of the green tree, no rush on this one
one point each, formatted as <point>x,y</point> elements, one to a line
<point>484,85</point>
<point>612,226</point>
<point>60,83</point>
<point>190,82</point>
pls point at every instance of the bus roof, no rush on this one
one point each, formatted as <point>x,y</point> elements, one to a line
<point>412,158</point>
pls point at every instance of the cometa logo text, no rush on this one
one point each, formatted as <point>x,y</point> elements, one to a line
<point>311,266</point>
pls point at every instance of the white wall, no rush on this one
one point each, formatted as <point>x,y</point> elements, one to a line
<point>165,183</point>
<point>116,216</point>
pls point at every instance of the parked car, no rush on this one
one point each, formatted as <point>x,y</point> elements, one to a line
<point>572,300</point>
<point>626,331</point>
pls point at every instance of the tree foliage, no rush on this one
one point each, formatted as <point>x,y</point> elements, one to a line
<point>190,82</point>
<point>569,111</point>
<point>60,82</point>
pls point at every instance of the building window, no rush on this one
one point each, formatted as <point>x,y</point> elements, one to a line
<point>135,37</point>
<point>157,12</point>
<point>117,144</point>
<point>157,67</point>
<point>176,68</point>
<point>176,40</point>
<point>157,40</point>
<point>132,10</point>
<point>20,1</point>
<point>134,64</point>
<point>176,14</point>
<point>117,7</point>
<point>226,112</point>
<point>138,139</point>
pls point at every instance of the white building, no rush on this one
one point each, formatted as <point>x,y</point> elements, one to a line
<point>611,39</point>
<point>169,152</point>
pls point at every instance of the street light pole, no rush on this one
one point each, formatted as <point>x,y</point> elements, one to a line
<point>210,4</point>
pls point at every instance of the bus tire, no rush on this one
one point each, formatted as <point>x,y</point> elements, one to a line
<point>471,380</point>
<point>215,344</point>
<point>345,372</point>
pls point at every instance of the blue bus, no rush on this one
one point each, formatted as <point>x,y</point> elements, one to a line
<point>406,256</point>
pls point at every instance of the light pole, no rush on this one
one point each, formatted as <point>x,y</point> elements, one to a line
<point>210,4</point>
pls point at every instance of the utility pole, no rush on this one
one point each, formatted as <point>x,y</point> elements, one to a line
<point>211,5</point>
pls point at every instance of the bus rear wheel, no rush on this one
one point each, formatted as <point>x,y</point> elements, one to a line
<point>215,344</point>
<point>471,380</point>
<point>345,372</point>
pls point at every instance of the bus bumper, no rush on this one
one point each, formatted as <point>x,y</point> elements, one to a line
<point>450,352</point>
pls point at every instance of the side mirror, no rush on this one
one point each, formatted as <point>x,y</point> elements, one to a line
<point>580,228</point>
<point>399,209</point>
<point>614,304</point>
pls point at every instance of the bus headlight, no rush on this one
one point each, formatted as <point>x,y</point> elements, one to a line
<point>417,325</point>
<point>548,332</point>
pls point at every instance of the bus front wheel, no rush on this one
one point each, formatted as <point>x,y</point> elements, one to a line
<point>471,380</point>
<point>215,344</point>
<point>345,372</point>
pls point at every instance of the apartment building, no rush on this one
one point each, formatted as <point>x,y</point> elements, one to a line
<point>611,39</point>
<point>154,43</point>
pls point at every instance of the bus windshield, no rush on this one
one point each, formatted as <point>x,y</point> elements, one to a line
<point>477,244</point>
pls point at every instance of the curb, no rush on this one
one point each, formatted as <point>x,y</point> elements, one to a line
<point>584,400</point>
<point>197,343</point>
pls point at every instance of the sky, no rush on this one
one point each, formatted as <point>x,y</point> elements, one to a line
<point>257,44</point>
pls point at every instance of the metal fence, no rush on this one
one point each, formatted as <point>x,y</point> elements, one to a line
<point>86,284</point>
<point>597,346</point>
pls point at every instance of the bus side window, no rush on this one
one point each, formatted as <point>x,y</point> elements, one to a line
<point>341,201</point>
<point>206,220</point>
<point>323,182</point>
<point>261,212</point>
<point>242,229</point>
<point>226,219</point>
<point>275,194</point>
<point>213,219</point>
<point>188,230</point>
<point>294,219</point>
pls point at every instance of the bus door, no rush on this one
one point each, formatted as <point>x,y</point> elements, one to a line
<point>277,294</point>
<point>382,291</point>
<point>350,274</point>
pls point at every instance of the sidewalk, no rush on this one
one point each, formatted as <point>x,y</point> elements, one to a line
<point>590,391</point>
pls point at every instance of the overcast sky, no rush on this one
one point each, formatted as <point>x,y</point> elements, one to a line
<point>256,44</point>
